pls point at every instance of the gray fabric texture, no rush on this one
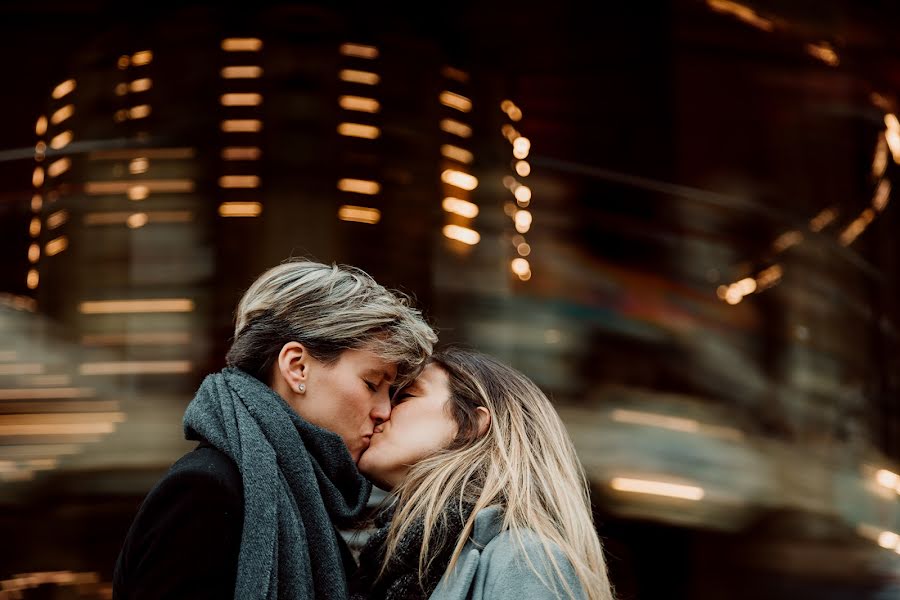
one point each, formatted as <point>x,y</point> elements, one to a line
<point>493,566</point>
<point>299,482</point>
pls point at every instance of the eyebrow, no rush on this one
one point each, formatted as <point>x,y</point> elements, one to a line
<point>383,374</point>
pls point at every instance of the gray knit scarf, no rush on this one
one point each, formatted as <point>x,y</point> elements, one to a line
<point>299,483</point>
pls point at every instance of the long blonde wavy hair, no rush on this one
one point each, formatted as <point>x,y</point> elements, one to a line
<point>525,463</point>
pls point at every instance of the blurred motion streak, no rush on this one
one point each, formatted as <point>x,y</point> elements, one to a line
<point>359,214</point>
<point>134,367</point>
<point>161,305</point>
<point>657,488</point>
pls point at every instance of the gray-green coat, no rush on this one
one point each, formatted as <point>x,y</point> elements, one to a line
<point>492,566</point>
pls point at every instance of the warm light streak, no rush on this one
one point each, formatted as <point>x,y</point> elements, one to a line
<point>359,51</point>
<point>657,488</point>
<point>140,111</point>
<point>99,188</point>
<point>460,207</point>
<point>140,85</point>
<point>22,368</point>
<point>880,159</point>
<point>887,479</point>
<point>242,44</point>
<point>888,539</point>
<point>362,77</point>
<point>136,220</point>
<point>241,125</point>
<point>239,181</point>
<point>60,141</point>
<point>45,393</point>
<point>139,59</point>
<point>241,153</point>
<point>135,367</point>
<point>58,167</point>
<point>241,99</point>
<point>359,103</point>
<point>62,114</point>
<point>741,12</point>
<point>786,240</point>
<point>359,186</point>
<point>57,218</point>
<point>824,52</point>
<point>156,305</point>
<point>823,219</point>
<point>358,130</point>
<point>511,110</point>
<point>459,179</point>
<point>63,89</point>
<point>882,195</point>
<point>55,246</point>
<point>462,234</point>
<point>139,165</point>
<point>138,192</point>
<point>242,72</point>
<point>456,128</point>
<point>359,214</point>
<point>456,153</point>
<point>240,209</point>
<point>451,100</point>
<point>768,277</point>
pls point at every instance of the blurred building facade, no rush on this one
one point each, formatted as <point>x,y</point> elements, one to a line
<point>680,228</point>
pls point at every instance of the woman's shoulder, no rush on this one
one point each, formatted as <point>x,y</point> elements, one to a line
<point>204,473</point>
<point>511,563</point>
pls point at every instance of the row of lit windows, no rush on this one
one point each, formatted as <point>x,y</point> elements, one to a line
<point>356,106</point>
<point>458,183</point>
<point>41,174</point>
<point>247,51</point>
<point>139,85</point>
<point>518,210</point>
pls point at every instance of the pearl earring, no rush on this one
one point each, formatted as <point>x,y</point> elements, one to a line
<point>301,388</point>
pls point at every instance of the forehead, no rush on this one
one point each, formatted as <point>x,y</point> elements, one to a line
<point>431,378</point>
<point>369,363</point>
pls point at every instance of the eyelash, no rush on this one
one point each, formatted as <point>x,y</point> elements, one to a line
<point>399,398</point>
<point>372,387</point>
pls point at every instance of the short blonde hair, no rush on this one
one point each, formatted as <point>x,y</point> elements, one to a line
<point>328,309</point>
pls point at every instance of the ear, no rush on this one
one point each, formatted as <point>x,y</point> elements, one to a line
<point>484,420</point>
<point>292,368</point>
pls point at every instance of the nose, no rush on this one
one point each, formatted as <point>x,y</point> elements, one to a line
<point>381,410</point>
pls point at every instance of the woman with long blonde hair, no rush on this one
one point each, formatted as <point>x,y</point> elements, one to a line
<point>490,499</point>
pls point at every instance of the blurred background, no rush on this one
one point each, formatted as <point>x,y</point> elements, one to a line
<point>675,216</point>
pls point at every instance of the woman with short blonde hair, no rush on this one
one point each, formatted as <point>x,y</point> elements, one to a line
<point>252,511</point>
<point>491,501</point>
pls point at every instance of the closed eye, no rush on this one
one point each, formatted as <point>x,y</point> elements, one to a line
<point>398,398</point>
<point>372,387</point>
